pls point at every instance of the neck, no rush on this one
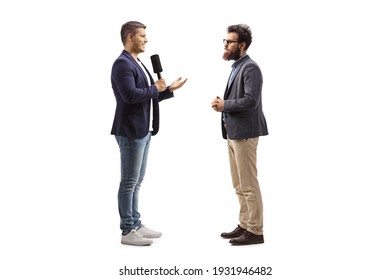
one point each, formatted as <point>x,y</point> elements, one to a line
<point>132,53</point>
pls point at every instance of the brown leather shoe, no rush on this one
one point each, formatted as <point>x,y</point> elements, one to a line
<point>237,232</point>
<point>247,238</point>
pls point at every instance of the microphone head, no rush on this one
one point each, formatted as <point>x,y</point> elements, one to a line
<point>156,63</point>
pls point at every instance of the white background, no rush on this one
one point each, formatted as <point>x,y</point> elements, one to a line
<point>323,169</point>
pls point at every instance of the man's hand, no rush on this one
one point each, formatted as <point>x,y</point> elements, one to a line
<point>161,85</point>
<point>178,83</point>
<point>218,104</point>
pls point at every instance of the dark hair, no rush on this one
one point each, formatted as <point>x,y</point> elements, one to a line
<point>244,33</point>
<point>130,27</point>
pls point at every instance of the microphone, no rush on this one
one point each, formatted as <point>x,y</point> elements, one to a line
<point>156,65</point>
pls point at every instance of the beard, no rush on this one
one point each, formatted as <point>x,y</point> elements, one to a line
<point>228,55</point>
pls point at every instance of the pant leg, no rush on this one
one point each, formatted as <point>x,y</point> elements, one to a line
<point>133,155</point>
<point>243,163</point>
<point>243,213</point>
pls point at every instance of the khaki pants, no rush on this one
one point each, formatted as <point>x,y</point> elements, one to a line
<point>243,169</point>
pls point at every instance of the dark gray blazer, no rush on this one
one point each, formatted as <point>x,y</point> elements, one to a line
<point>243,114</point>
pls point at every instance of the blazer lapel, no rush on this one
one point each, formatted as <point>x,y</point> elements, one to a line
<point>142,71</point>
<point>150,76</point>
<point>139,67</point>
<point>238,68</point>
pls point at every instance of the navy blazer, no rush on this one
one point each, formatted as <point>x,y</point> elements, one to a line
<point>133,98</point>
<point>243,115</point>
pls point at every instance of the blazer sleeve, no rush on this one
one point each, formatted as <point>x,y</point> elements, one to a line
<point>246,90</point>
<point>130,87</point>
<point>165,94</point>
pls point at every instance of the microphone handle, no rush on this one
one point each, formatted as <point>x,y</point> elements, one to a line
<point>159,75</point>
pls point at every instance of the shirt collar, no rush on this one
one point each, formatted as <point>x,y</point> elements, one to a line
<point>238,61</point>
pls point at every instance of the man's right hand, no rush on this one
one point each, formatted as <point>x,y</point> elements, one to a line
<point>161,85</point>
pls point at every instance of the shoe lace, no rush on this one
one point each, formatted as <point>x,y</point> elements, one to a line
<point>135,232</point>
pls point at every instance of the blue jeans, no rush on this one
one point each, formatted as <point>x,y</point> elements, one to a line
<point>134,157</point>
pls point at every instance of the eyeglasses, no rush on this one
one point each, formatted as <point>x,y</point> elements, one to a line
<point>229,42</point>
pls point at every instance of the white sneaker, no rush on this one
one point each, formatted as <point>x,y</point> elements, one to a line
<point>134,238</point>
<point>148,233</point>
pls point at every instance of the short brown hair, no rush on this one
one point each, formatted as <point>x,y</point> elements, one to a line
<point>244,33</point>
<point>130,27</point>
